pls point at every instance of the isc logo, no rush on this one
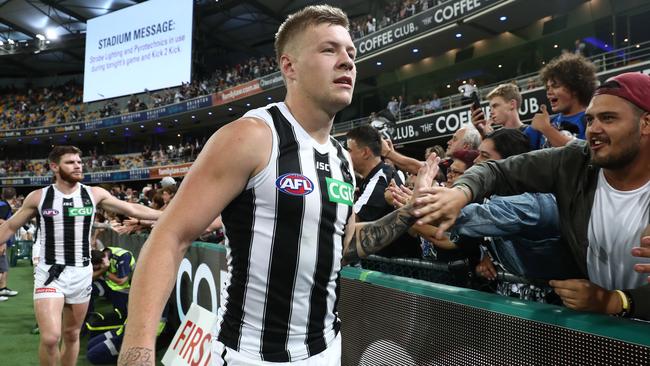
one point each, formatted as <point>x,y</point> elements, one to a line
<point>294,184</point>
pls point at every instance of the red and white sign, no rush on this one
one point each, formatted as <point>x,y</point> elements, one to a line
<point>193,341</point>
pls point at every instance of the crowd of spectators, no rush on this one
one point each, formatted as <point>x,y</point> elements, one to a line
<point>32,107</point>
<point>521,228</point>
<point>94,162</point>
<point>393,12</point>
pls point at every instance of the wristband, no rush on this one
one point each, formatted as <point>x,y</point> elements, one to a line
<point>630,312</point>
<point>625,305</point>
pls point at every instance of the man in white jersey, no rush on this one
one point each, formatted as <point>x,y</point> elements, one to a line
<point>286,206</point>
<point>602,187</point>
<point>63,276</point>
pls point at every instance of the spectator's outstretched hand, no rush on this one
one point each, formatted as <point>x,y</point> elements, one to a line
<point>486,268</point>
<point>386,147</point>
<point>439,206</point>
<point>483,126</point>
<point>541,121</point>
<point>643,251</point>
<point>426,175</point>
<point>580,294</point>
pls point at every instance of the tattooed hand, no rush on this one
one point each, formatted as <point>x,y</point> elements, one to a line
<point>136,356</point>
<point>370,237</point>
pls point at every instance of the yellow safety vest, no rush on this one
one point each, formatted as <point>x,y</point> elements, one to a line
<point>116,252</point>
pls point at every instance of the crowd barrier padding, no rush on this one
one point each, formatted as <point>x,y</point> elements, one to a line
<point>392,320</point>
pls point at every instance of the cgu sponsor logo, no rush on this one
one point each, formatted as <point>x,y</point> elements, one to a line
<point>50,212</point>
<point>80,211</point>
<point>294,184</point>
<point>340,192</point>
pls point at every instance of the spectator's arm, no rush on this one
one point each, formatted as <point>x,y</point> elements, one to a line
<point>542,123</point>
<point>402,162</point>
<point>499,217</point>
<point>531,172</point>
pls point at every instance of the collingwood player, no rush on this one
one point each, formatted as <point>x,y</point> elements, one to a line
<point>286,202</point>
<point>62,278</point>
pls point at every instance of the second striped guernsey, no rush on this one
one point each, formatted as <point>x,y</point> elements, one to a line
<point>65,221</point>
<point>284,238</point>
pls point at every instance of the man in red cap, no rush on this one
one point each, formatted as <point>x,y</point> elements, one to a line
<point>602,186</point>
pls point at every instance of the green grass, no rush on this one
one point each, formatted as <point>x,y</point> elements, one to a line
<point>17,345</point>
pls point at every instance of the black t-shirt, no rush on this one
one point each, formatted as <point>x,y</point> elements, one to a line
<point>371,205</point>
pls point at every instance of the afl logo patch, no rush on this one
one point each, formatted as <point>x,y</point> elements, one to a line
<point>50,212</point>
<point>294,184</point>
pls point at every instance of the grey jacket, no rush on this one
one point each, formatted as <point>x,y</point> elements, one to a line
<point>567,173</point>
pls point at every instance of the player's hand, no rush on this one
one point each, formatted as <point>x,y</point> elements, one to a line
<point>580,294</point>
<point>486,268</point>
<point>643,251</point>
<point>541,121</point>
<point>3,248</point>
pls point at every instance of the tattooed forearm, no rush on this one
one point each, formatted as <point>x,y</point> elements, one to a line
<point>136,356</point>
<point>371,237</point>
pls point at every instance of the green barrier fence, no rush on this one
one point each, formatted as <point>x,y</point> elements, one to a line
<point>393,320</point>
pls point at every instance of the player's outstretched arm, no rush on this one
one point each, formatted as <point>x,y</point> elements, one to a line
<point>110,203</point>
<point>214,180</point>
<point>363,239</point>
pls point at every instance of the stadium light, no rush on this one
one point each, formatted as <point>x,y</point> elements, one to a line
<point>487,11</point>
<point>10,41</point>
<point>379,63</point>
<point>415,50</point>
<point>40,36</point>
<point>50,33</point>
<point>503,18</point>
<point>458,35</point>
<point>2,43</point>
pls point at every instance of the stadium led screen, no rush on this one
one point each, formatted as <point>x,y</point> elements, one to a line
<point>143,47</point>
